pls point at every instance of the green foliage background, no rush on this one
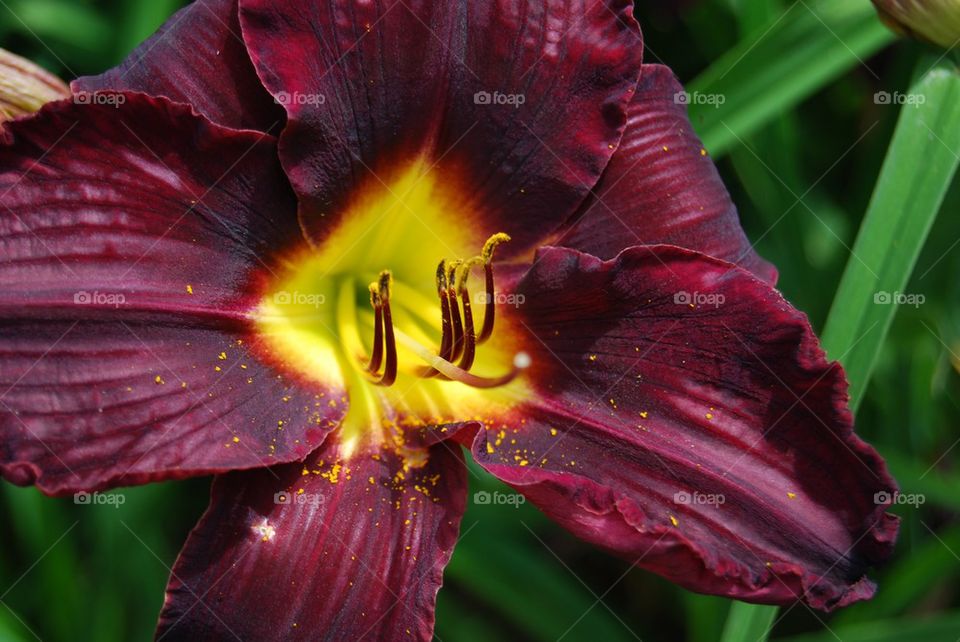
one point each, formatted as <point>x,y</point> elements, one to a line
<point>800,141</point>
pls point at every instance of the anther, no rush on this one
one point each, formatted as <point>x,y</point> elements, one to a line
<point>489,304</point>
<point>380,293</point>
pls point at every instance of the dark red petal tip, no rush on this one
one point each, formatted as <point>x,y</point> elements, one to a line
<point>197,57</point>
<point>327,550</point>
<point>688,421</point>
<point>661,187</point>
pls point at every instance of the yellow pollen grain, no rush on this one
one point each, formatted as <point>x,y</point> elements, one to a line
<point>673,520</point>
<point>792,495</point>
<point>553,432</point>
<point>524,462</point>
<point>236,440</point>
<point>189,289</point>
<point>489,448</point>
<point>666,149</point>
<point>593,357</point>
<point>158,380</point>
<point>222,356</point>
<point>703,152</point>
<point>709,415</point>
<point>644,413</point>
<point>218,368</point>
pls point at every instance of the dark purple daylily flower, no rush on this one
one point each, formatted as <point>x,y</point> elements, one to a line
<point>171,307</point>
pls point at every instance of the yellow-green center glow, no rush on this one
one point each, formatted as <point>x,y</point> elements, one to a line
<point>317,320</point>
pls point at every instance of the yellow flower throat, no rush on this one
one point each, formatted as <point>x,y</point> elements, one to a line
<point>383,310</point>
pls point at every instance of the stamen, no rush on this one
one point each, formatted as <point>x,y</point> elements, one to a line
<point>376,355</point>
<point>382,287</point>
<point>521,361</point>
<point>489,304</point>
<point>457,348</point>
<point>446,340</point>
<point>470,334</point>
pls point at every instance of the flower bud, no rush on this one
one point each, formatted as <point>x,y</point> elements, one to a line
<point>25,87</point>
<point>935,21</point>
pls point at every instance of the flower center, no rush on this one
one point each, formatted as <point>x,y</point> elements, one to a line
<point>392,308</point>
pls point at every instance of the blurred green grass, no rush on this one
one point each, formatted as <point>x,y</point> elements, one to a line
<point>802,179</point>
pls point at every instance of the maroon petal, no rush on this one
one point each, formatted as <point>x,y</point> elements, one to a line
<point>131,242</point>
<point>377,85</point>
<point>197,57</point>
<point>688,420</point>
<point>330,550</point>
<point>661,187</point>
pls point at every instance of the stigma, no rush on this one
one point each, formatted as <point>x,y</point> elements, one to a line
<point>459,339</point>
